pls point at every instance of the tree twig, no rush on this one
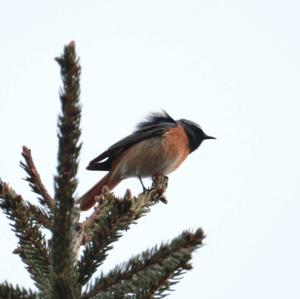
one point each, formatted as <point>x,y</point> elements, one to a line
<point>66,216</point>
<point>154,194</point>
<point>109,219</point>
<point>150,273</point>
<point>35,181</point>
<point>34,251</point>
<point>7,290</point>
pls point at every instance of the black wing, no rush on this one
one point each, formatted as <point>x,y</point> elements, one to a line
<point>154,125</point>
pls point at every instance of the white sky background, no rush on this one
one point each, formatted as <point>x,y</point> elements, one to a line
<point>231,66</point>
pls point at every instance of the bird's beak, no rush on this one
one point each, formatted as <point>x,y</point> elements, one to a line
<point>209,137</point>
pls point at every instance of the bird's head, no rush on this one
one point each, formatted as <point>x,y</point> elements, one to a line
<point>194,132</point>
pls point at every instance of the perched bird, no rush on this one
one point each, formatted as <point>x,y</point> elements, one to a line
<point>157,146</point>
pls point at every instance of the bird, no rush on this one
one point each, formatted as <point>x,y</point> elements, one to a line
<point>158,146</point>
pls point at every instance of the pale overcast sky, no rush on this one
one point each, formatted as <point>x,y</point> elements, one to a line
<point>231,66</point>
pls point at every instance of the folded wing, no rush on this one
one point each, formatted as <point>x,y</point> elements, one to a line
<point>155,125</point>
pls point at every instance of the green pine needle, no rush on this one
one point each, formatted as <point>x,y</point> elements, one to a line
<point>150,273</point>
<point>35,181</point>
<point>30,238</point>
<point>8,291</point>
<point>63,250</point>
<point>114,217</point>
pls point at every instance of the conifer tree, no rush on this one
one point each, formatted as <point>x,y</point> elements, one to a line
<point>54,264</point>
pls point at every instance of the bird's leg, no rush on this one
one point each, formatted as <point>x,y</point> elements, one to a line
<point>159,185</point>
<point>160,180</point>
<point>166,180</point>
<point>141,181</point>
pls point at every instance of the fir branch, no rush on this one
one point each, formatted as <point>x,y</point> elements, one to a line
<point>35,181</point>
<point>39,215</point>
<point>8,291</point>
<point>65,214</point>
<point>109,220</point>
<point>114,218</point>
<point>30,239</point>
<point>149,274</point>
<point>153,195</point>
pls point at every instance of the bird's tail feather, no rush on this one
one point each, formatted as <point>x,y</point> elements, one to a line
<point>87,200</point>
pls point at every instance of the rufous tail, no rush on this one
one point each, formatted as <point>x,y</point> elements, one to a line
<point>87,200</point>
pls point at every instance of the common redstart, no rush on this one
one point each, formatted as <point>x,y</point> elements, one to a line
<point>157,146</point>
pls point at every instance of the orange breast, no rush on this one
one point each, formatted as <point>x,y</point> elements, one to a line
<point>154,155</point>
<point>176,147</point>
